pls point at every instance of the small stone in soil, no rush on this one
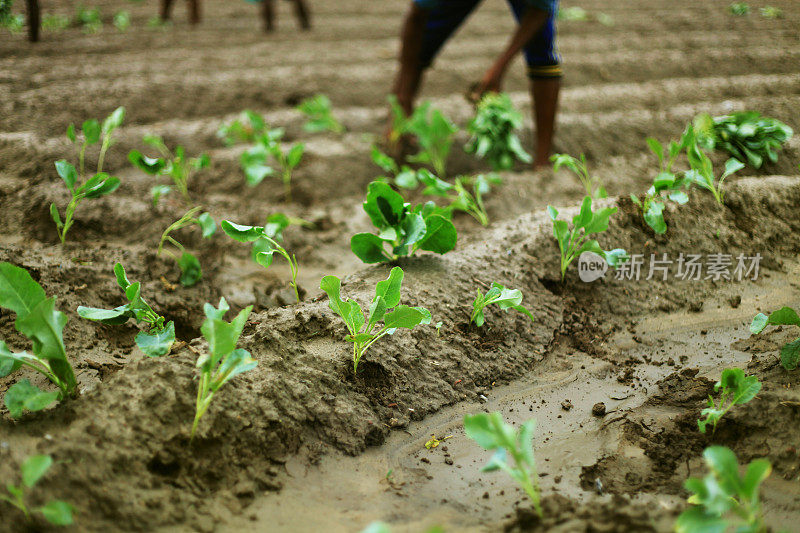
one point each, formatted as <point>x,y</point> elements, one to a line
<point>599,409</point>
<point>566,405</point>
<point>448,461</point>
<point>425,460</point>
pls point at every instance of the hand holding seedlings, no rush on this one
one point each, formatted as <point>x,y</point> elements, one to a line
<point>39,321</point>
<point>100,184</point>
<point>56,512</point>
<point>735,389</point>
<point>155,342</point>
<point>492,132</point>
<point>747,136</point>
<point>385,307</point>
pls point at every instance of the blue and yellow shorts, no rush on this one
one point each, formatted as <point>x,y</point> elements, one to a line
<point>445,16</point>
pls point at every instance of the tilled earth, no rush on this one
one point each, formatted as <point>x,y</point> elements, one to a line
<point>301,444</point>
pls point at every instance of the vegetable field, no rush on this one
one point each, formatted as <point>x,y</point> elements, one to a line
<point>224,308</point>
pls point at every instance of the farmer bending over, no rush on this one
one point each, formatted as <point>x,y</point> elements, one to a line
<point>429,23</point>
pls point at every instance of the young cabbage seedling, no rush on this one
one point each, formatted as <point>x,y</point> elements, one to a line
<point>320,115</point>
<point>785,316</point>
<point>403,176</point>
<point>572,243</point>
<point>122,21</point>
<point>504,298</point>
<point>736,389</point>
<point>223,360</point>
<point>100,183</point>
<point>176,166</point>
<point>255,159</point>
<point>42,323</point>
<point>89,19</point>
<point>385,307</point>
<point>404,229</point>
<point>724,498</point>
<point>492,433</point>
<point>265,245</point>
<point>465,193</point>
<point>590,183</point>
<point>191,272</point>
<point>155,342</point>
<point>702,172</point>
<point>435,134</point>
<point>56,512</point>
<point>492,132</point>
<point>246,128</point>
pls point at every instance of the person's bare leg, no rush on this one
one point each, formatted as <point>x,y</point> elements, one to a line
<point>545,104</point>
<point>268,13</point>
<point>166,10</point>
<point>303,14</point>
<point>194,11</point>
<point>34,16</point>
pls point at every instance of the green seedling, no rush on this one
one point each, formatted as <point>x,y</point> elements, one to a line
<point>385,307</point>
<point>492,132</point>
<point>771,12</point>
<point>265,245</point>
<point>404,229</point>
<point>175,165</point>
<point>435,134</point>
<point>785,316</point>
<point>191,272</point>
<point>320,115</point>
<point>399,120</point>
<point>572,243</point>
<point>157,341</point>
<point>40,321</point>
<point>223,359</point>
<point>739,9</point>
<point>492,433</point>
<point>56,512</point>
<point>255,159</point>
<point>13,23</point>
<point>735,389</point>
<point>245,129</point>
<point>402,176</point>
<point>504,298</point>
<point>667,185</point>
<point>702,172</point>
<point>100,184</point>
<point>464,194</point>
<point>573,14</point>
<point>590,183</point>
<point>55,23</point>
<point>89,19</point>
<point>724,498</point>
<point>122,20</point>
<point>747,136</point>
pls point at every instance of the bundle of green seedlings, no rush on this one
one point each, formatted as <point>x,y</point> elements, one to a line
<point>191,271</point>
<point>385,307</point>
<point>734,389</point>
<point>433,132</point>
<point>175,165</point>
<point>771,12</point>
<point>88,19</point>
<point>223,360</point>
<point>100,184</point>
<point>404,229</point>
<point>591,184</point>
<point>785,316</point>
<point>573,242</point>
<point>33,469</point>
<point>747,136</point>
<point>318,110</point>
<point>492,132</point>
<point>157,341</point>
<point>265,243</point>
<point>38,320</point>
<point>724,499</point>
<point>492,433</point>
<point>739,9</point>
<point>702,171</point>
<point>504,298</point>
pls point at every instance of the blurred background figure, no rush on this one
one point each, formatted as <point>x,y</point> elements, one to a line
<point>194,10</point>
<point>300,10</point>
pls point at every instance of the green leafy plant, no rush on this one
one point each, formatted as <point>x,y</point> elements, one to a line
<point>590,183</point>
<point>320,115</point>
<point>223,360</point>
<point>255,159</point>
<point>464,194</point>
<point>748,136</point>
<point>38,320</point>
<point>702,172</point>
<point>667,185</point>
<point>573,242</point>
<point>55,22</point>
<point>403,176</point>
<point>492,433</point>
<point>34,468</point>
<point>739,9</point>
<point>504,298</point>
<point>122,20</point>
<point>88,18</point>
<point>385,307</point>
<point>245,128</point>
<point>403,228</point>
<point>265,245</point>
<point>785,316</point>
<point>724,498</point>
<point>735,389</point>
<point>175,165</point>
<point>191,272</point>
<point>100,183</point>
<point>158,339</point>
<point>771,12</point>
<point>434,133</point>
<point>492,132</point>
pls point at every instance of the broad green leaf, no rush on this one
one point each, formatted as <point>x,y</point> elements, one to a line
<point>389,289</point>
<point>43,326</point>
<point>656,148</point>
<point>100,185</point>
<point>599,221</point>
<point>757,471</point>
<point>265,258</point>
<point>377,310</point>
<point>696,520</point>
<point>368,247</point>
<point>440,235</point>
<point>391,204</point>
<point>295,155</point>
<point>122,277</point>
<point>584,217</point>
<point>18,291</point>
<point>191,272</point>
<point>156,343</point>
<point>222,336</point>
<point>207,224</point>
<point>10,361</point>
<point>67,173</point>
<point>723,463</point>
<point>233,364</point>
<point>114,120</point>
<point>479,428</point>
<point>150,165</point>
<point>785,316</point>
<point>386,163</point>
<point>22,395</point>
<point>71,133</point>
<point>760,322</point>
<point>403,316</point>
<point>57,513</point>
<point>615,257</point>
<point>117,316</point>
<point>34,467</point>
<point>242,233</point>
<point>55,216</point>
<point>91,131</point>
